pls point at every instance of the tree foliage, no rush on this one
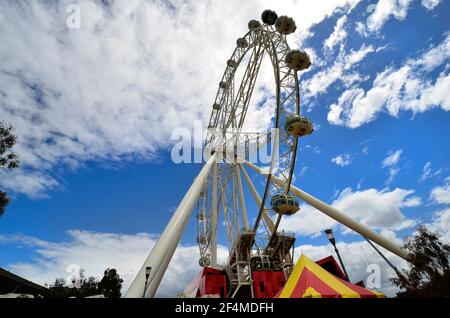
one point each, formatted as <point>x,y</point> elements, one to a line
<point>428,274</point>
<point>111,284</point>
<point>83,286</point>
<point>7,140</point>
<point>7,158</point>
<point>3,202</point>
<point>79,287</point>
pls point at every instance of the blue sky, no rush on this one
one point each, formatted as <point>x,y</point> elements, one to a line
<point>94,109</point>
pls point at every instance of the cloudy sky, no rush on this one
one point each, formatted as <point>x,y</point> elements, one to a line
<point>94,108</point>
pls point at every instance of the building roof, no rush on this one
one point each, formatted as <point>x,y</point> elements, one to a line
<point>330,265</point>
<point>12,283</point>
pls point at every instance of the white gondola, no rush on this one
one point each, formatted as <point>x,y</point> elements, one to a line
<point>285,25</point>
<point>297,60</point>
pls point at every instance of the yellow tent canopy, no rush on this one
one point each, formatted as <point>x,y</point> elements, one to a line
<point>310,280</point>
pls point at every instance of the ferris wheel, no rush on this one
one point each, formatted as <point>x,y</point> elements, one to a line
<point>256,245</point>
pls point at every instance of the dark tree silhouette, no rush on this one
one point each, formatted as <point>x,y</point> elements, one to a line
<point>111,284</point>
<point>84,287</point>
<point>429,273</point>
<point>88,286</point>
<point>7,158</point>
<point>3,202</point>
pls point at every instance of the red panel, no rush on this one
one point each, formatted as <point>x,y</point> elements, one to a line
<point>213,282</point>
<point>267,283</point>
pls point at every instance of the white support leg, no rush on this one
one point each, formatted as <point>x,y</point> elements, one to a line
<point>241,199</point>
<point>339,216</point>
<point>214,219</point>
<point>162,252</point>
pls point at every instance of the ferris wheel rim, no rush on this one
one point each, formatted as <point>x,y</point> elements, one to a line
<point>275,59</point>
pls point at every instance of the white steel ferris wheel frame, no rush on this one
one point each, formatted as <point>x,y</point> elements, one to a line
<point>229,114</point>
<point>218,187</point>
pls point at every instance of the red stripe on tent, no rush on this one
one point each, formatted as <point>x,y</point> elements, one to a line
<point>309,279</point>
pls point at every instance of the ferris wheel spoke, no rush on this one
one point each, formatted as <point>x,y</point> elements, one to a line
<point>266,217</point>
<point>241,199</point>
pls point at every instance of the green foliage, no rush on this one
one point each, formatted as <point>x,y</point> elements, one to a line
<point>429,272</point>
<point>7,158</point>
<point>81,287</point>
<point>3,202</point>
<point>7,141</point>
<point>111,284</point>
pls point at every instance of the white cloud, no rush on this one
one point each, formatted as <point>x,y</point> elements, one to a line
<point>391,162</point>
<point>307,222</point>
<point>380,210</point>
<point>428,173</point>
<point>441,224</point>
<point>392,159</point>
<point>352,78</point>
<point>360,28</point>
<point>342,160</point>
<point>430,4</point>
<point>365,150</point>
<point>34,183</point>
<point>384,10</point>
<point>338,35</point>
<point>441,194</point>
<point>94,252</point>
<point>303,170</point>
<point>394,90</point>
<point>344,63</point>
<point>115,88</point>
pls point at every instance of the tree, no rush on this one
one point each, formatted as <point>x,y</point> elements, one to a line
<point>3,202</point>
<point>87,286</point>
<point>80,287</point>
<point>7,158</point>
<point>429,272</point>
<point>7,141</point>
<point>111,284</point>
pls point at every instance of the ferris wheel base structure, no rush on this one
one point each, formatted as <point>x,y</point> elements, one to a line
<point>162,252</point>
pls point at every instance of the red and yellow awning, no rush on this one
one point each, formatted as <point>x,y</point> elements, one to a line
<point>310,280</point>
